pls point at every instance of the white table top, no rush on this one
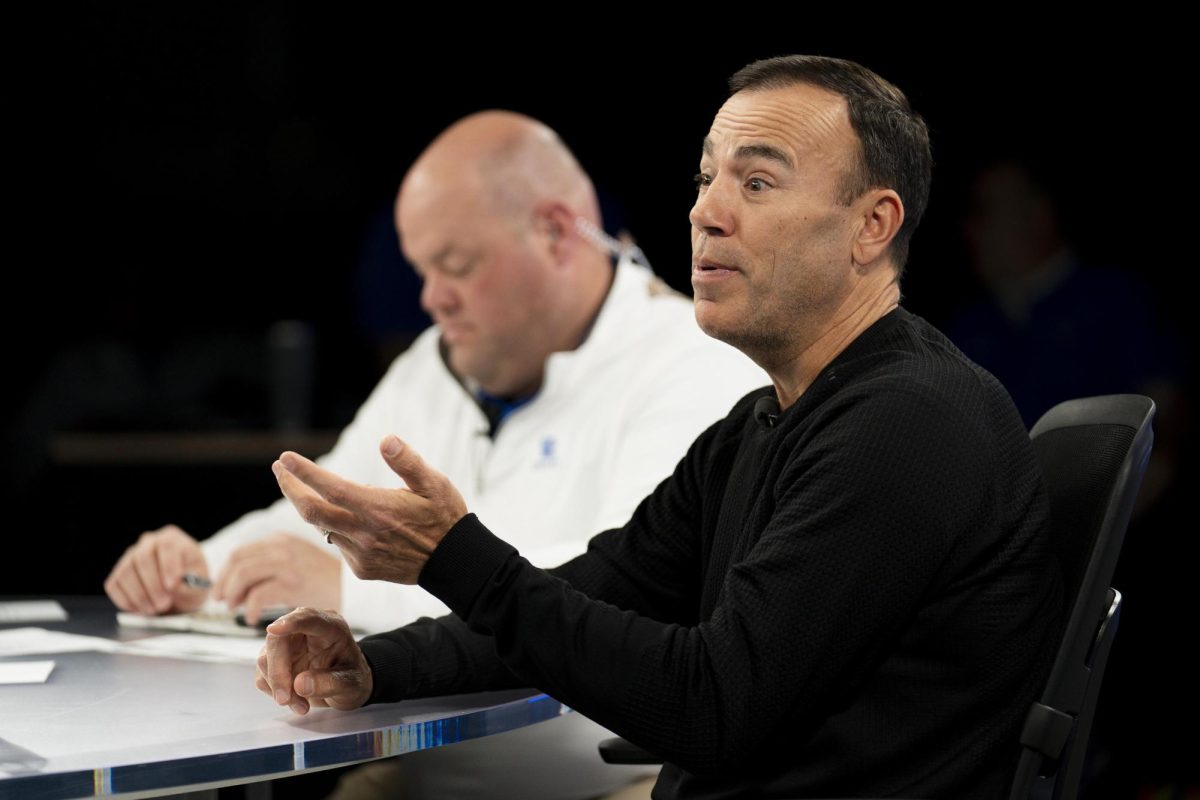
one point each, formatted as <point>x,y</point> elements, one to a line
<point>110,723</point>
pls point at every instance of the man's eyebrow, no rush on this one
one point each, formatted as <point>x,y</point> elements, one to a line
<point>748,151</point>
<point>764,151</point>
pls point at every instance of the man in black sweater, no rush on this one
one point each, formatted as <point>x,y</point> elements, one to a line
<point>843,590</point>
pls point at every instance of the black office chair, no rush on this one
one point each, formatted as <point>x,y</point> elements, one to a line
<point>1093,452</point>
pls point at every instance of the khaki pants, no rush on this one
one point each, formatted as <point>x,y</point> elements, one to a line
<point>552,760</point>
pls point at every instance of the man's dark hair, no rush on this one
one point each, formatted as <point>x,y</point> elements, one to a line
<point>895,139</point>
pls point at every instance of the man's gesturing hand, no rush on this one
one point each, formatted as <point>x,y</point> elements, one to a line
<point>311,659</point>
<point>384,534</point>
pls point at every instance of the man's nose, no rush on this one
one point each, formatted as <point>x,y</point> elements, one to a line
<point>712,212</point>
<point>437,295</point>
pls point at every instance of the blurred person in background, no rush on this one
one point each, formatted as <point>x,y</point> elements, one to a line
<point>1053,324</point>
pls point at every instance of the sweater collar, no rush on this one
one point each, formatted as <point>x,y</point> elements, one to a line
<point>632,287</point>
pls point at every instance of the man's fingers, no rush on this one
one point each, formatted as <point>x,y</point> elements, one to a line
<point>145,564</point>
<point>131,586</point>
<point>323,626</point>
<point>313,505</point>
<point>112,587</point>
<point>307,630</point>
<point>298,704</point>
<point>125,576</point>
<point>147,576</point>
<point>408,464</point>
<point>263,594</point>
<point>242,575</point>
<point>170,565</point>
<point>280,651</point>
<point>223,585</point>
<point>333,488</point>
<point>321,683</point>
<point>336,688</point>
<point>260,672</point>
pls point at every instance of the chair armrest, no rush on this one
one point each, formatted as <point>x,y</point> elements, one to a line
<point>618,751</point>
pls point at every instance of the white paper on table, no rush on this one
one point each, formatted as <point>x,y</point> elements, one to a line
<point>222,624</point>
<point>25,671</point>
<point>36,641</point>
<point>212,617</point>
<point>12,611</point>
<point>196,647</point>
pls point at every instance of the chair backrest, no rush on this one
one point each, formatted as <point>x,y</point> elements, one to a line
<point>1093,452</point>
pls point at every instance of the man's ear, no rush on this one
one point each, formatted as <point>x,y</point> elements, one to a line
<point>882,214</point>
<point>555,223</point>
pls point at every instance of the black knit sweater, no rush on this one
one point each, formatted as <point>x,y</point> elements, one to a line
<point>855,601</point>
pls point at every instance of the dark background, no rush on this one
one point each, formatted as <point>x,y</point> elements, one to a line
<point>184,179</point>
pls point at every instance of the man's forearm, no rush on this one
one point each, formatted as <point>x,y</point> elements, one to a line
<point>434,657</point>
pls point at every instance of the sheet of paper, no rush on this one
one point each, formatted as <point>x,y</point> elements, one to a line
<point>39,641</point>
<point>222,624</point>
<point>196,647</point>
<point>14,611</point>
<point>25,671</point>
<point>212,617</point>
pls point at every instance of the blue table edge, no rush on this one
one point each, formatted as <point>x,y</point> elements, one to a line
<point>272,761</point>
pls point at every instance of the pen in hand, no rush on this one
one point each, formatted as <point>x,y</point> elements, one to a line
<point>197,581</point>
<point>265,617</point>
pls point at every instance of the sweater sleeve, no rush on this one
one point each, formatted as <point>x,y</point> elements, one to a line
<point>859,526</point>
<point>654,574</point>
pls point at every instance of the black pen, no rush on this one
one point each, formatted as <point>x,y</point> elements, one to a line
<point>197,581</point>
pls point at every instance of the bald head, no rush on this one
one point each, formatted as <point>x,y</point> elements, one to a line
<point>511,161</point>
<point>488,215</point>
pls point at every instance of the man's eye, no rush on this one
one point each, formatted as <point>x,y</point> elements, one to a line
<point>702,179</point>
<point>756,184</point>
<point>458,269</point>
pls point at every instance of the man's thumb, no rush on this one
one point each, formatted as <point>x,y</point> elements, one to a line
<point>407,463</point>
